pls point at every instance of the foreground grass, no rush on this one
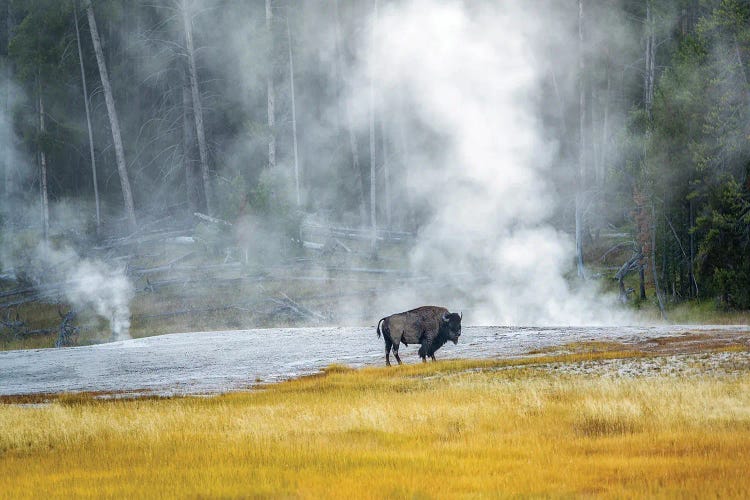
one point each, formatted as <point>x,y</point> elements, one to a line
<point>449,429</point>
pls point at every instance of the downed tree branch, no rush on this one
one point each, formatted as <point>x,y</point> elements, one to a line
<point>213,220</point>
<point>370,270</point>
<point>15,326</point>
<point>338,242</point>
<point>171,267</point>
<point>153,236</point>
<point>41,331</point>
<point>631,265</point>
<point>18,327</point>
<point>628,266</point>
<point>183,312</point>
<point>17,291</point>
<point>313,246</point>
<point>615,248</point>
<point>356,233</point>
<point>304,310</point>
<point>49,295</point>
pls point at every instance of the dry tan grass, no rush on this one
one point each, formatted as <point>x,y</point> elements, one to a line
<point>449,429</point>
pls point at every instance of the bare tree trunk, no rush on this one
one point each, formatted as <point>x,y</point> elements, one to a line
<point>579,202</point>
<point>373,166</point>
<point>192,183</point>
<point>8,184</point>
<point>648,83</point>
<point>349,119</point>
<point>88,122</point>
<point>408,206</point>
<point>605,125</point>
<point>740,63</point>
<point>560,102</point>
<point>294,113</point>
<point>269,86</point>
<point>386,168</point>
<point>653,264</point>
<point>113,120</point>
<point>642,282</point>
<point>43,168</point>
<point>694,282</point>
<point>384,147</point>
<point>197,107</point>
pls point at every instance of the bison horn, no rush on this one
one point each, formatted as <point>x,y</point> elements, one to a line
<point>445,317</point>
<point>461,316</point>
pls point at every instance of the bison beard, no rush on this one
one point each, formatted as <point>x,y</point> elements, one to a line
<point>436,344</point>
<point>429,326</point>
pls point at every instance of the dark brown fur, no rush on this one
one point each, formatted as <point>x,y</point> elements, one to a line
<point>429,326</point>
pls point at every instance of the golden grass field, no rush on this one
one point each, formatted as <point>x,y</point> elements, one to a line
<point>451,429</point>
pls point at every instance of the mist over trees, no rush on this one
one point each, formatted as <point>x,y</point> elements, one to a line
<point>120,115</point>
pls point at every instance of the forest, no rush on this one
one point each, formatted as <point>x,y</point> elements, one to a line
<point>540,155</point>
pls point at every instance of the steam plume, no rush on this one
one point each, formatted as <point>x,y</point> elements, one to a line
<point>468,75</point>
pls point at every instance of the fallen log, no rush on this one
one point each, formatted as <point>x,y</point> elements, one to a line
<point>313,246</point>
<point>338,242</point>
<point>301,308</point>
<point>183,312</point>
<point>615,248</point>
<point>212,220</point>
<point>16,291</point>
<point>141,238</point>
<point>171,267</point>
<point>356,233</point>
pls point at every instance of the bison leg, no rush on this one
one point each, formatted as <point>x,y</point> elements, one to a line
<point>395,353</point>
<point>433,356</point>
<point>388,345</point>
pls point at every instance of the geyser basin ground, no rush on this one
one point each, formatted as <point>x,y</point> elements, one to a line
<point>215,362</point>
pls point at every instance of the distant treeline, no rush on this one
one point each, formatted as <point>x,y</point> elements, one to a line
<point>235,107</point>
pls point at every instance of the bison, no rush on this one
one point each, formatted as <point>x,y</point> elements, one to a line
<point>429,326</point>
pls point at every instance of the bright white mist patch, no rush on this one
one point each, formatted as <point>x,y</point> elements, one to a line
<point>466,72</point>
<point>92,284</point>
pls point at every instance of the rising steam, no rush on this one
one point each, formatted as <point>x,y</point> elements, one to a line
<point>92,284</point>
<point>468,76</point>
<point>458,87</point>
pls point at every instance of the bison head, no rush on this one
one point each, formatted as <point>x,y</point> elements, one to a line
<point>450,323</point>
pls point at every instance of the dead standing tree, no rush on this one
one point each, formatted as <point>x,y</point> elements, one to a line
<point>88,120</point>
<point>113,120</point>
<point>294,113</point>
<point>43,164</point>
<point>193,189</point>
<point>197,105</point>
<point>581,173</point>
<point>649,77</point>
<point>348,115</point>
<point>270,89</point>
<point>373,165</point>
<point>9,188</point>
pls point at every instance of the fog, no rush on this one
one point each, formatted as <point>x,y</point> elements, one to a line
<point>463,94</point>
<point>470,76</point>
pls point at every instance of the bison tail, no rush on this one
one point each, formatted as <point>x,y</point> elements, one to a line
<point>378,328</point>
